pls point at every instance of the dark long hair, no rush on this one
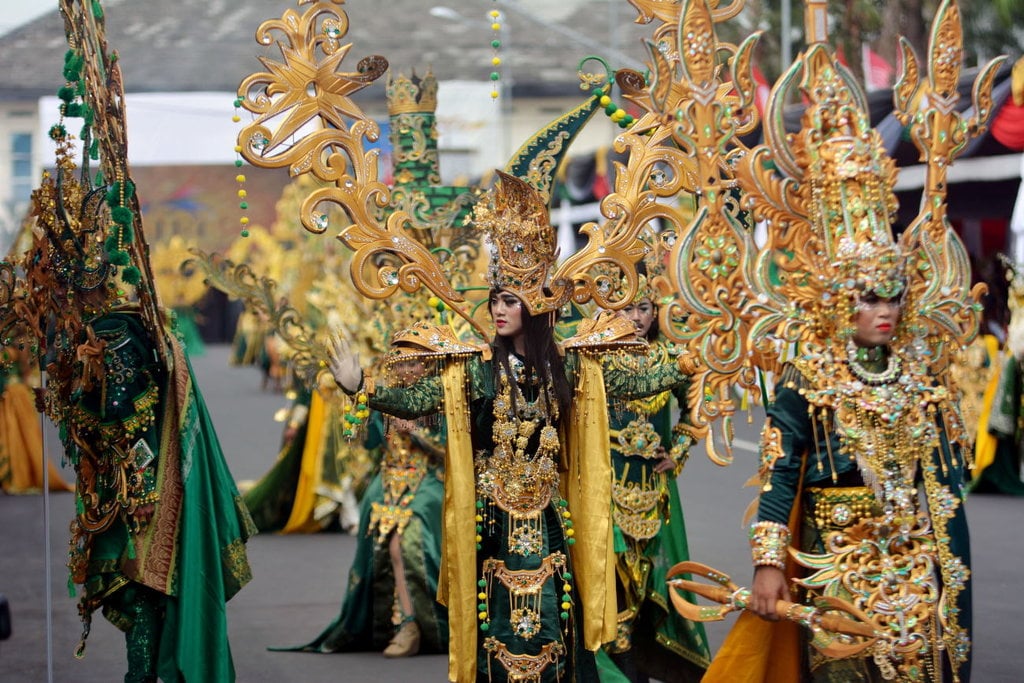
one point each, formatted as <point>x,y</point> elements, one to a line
<point>541,358</point>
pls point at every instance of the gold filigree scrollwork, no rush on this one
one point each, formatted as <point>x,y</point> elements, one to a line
<point>260,294</point>
<point>890,576</point>
<point>702,114</point>
<point>305,91</point>
<point>927,107</point>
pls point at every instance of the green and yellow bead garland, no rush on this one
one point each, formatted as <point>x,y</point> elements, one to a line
<point>243,204</point>
<point>495,16</point>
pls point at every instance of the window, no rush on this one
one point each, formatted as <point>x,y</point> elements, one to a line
<point>21,167</point>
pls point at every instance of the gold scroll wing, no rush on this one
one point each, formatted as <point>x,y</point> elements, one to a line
<point>306,120</point>
<point>927,107</point>
<point>699,100</point>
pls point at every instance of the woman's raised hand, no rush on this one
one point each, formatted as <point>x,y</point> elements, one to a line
<point>344,362</point>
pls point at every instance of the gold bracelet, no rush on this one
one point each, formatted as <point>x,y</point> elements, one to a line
<point>769,542</point>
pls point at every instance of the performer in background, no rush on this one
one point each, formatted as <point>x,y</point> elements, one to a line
<point>648,454</point>
<point>21,439</point>
<point>391,599</point>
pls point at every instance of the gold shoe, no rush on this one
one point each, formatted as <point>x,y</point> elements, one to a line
<point>406,642</point>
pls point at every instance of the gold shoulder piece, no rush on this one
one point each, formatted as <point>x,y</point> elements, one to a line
<point>606,330</point>
<point>424,340</point>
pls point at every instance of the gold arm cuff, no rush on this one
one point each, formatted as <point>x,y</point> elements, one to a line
<point>769,542</point>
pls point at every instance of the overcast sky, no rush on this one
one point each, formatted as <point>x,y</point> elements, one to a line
<point>17,12</point>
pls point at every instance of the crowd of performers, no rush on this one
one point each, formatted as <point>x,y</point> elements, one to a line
<point>515,499</point>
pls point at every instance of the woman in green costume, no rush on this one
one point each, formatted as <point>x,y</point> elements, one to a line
<point>527,462</point>
<point>390,603</point>
<point>652,639</point>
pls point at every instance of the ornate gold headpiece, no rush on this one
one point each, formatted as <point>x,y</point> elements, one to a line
<point>412,95</point>
<point>522,243</point>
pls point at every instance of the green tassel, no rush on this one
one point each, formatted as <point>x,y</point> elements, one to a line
<point>97,9</point>
<point>87,114</point>
<point>131,275</point>
<point>72,66</point>
<point>66,94</point>
<point>619,541</point>
<point>98,179</point>
<point>131,550</point>
<point>94,150</point>
<point>71,587</point>
<point>120,258</point>
<point>122,215</point>
<point>73,109</point>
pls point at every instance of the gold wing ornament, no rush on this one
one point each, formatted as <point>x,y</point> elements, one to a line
<point>927,107</point>
<point>239,281</point>
<point>387,254</point>
<point>699,101</point>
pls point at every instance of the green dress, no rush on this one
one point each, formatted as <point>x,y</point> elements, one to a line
<point>530,625</point>
<point>404,498</point>
<point>1005,423</point>
<point>270,499</point>
<point>650,534</point>
<point>138,434</point>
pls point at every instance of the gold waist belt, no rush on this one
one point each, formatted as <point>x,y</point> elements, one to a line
<point>840,507</point>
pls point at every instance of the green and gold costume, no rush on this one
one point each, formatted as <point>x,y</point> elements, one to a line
<point>1002,473</point>
<point>139,435</point>
<point>650,530</point>
<point>404,498</point>
<point>907,559</point>
<point>533,597</point>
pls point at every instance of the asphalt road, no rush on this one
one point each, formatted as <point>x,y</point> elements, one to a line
<point>299,580</point>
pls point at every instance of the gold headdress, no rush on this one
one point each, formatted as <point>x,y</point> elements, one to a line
<point>522,244</point>
<point>89,253</point>
<point>834,206</point>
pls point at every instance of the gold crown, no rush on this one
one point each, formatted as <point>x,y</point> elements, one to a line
<point>522,243</point>
<point>412,95</point>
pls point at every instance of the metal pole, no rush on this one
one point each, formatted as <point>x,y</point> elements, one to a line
<point>47,571</point>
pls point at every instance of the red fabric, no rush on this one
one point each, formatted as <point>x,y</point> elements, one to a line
<point>1008,126</point>
<point>878,73</point>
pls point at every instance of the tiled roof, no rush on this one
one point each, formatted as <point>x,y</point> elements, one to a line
<point>209,45</point>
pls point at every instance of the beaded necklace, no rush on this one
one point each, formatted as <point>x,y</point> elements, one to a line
<point>513,428</point>
<point>884,421</point>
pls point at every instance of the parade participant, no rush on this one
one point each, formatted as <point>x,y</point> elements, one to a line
<point>863,452</point>
<point>158,538</point>
<point>648,453</point>
<point>539,540</point>
<point>21,439</point>
<point>997,466</point>
<point>391,602</point>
